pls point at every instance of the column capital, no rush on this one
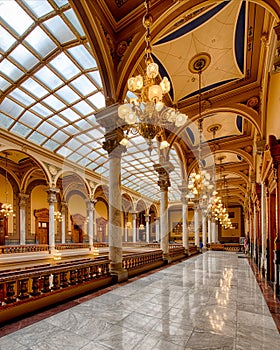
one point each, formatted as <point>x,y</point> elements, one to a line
<point>22,199</point>
<point>52,192</point>
<point>112,143</point>
<point>163,171</point>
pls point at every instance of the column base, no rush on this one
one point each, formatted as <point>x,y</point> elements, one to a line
<point>119,275</point>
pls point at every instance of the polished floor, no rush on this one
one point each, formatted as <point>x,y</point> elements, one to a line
<point>211,301</point>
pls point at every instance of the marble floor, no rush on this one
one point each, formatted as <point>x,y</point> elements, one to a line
<point>211,301</point>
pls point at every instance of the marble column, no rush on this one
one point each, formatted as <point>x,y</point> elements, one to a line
<point>163,171</point>
<point>115,149</point>
<point>209,229</point>
<point>90,210</point>
<point>63,222</point>
<point>134,229</point>
<point>157,223</point>
<point>22,217</point>
<point>274,148</point>
<point>204,230</point>
<point>263,227</point>
<point>125,227</point>
<point>52,192</point>
<point>255,222</point>
<point>196,225</point>
<point>185,233</point>
<point>147,220</point>
<point>213,231</point>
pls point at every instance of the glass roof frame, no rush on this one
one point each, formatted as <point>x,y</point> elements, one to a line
<point>51,90</point>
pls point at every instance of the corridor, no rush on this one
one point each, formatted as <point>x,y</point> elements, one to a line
<point>211,301</point>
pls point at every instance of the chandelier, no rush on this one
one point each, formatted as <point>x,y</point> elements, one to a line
<point>216,208</point>
<point>199,182</point>
<point>146,113</point>
<point>6,208</point>
<point>58,216</point>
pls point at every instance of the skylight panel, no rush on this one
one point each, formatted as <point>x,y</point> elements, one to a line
<point>96,77</point>
<point>67,94</point>
<point>21,130</point>
<point>34,88</point>
<point>73,144</point>
<point>74,157</point>
<point>59,29</point>
<point>54,102</point>
<point>61,3</point>
<point>46,128</point>
<point>95,134</point>
<point>83,162</point>
<point>83,57</point>
<point>98,100</point>
<point>71,129</point>
<point>64,151</point>
<point>74,21</point>
<point>58,121</point>
<point>83,108</point>
<point>51,145</point>
<point>70,115</point>
<point>4,84</point>
<point>22,97</point>
<point>30,119</point>
<point>46,76</point>
<point>5,121</point>
<point>24,57</point>
<point>11,108</point>
<point>37,138</point>
<point>41,110</point>
<point>10,70</point>
<point>83,85</point>
<point>39,8</point>
<point>83,125</point>
<point>15,16</point>
<point>40,42</point>
<point>7,40</point>
<point>84,150</point>
<point>65,66</point>
<point>60,136</point>
<point>83,138</point>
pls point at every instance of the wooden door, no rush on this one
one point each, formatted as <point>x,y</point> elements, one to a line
<point>42,225</point>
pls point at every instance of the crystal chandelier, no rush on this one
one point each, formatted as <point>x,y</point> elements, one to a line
<point>199,182</point>
<point>57,216</point>
<point>6,208</point>
<point>146,113</point>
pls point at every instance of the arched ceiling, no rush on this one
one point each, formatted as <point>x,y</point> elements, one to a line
<point>61,61</point>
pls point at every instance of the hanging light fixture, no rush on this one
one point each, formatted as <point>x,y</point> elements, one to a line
<point>199,182</point>
<point>6,208</point>
<point>146,113</point>
<point>58,216</point>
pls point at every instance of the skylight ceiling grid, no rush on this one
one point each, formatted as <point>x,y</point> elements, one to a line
<point>52,89</point>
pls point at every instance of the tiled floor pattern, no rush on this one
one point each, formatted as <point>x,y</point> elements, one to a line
<point>211,301</point>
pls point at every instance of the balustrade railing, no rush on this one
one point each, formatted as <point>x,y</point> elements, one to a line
<point>30,283</point>
<point>64,246</point>
<point>26,248</point>
<point>176,251</point>
<point>133,261</point>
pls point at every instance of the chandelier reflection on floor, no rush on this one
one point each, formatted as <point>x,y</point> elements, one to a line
<point>6,208</point>
<point>146,113</point>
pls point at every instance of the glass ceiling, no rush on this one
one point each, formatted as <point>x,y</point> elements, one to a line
<point>51,89</point>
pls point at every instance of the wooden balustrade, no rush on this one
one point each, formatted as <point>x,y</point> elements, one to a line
<point>26,284</point>
<point>27,248</point>
<point>64,246</point>
<point>134,261</point>
<point>176,252</point>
